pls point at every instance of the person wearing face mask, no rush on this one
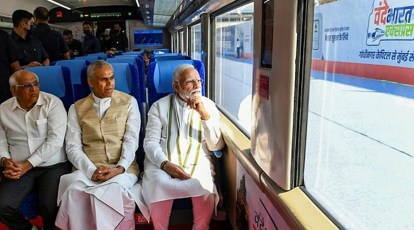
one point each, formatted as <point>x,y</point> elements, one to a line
<point>182,129</point>
<point>119,40</point>
<point>90,43</point>
<point>26,50</point>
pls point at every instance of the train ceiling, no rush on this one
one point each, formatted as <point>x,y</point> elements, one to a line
<point>155,13</point>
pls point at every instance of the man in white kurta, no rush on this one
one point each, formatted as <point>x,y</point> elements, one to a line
<point>32,131</point>
<point>182,129</point>
<point>101,141</point>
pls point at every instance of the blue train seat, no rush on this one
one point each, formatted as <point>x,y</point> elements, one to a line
<point>101,55</point>
<point>77,72</point>
<point>173,57</point>
<point>139,63</point>
<point>132,53</point>
<point>55,80</point>
<point>90,58</point>
<point>29,207</point>
<point>160,76</point>
<point>161,51</point>
<point>166,56</point>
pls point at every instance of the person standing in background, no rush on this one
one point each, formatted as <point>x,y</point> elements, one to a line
<point>119,40</point>
<point>25,49</point>
<point>52,40</point>
<point>90,43</point>
<point>74,45</point>
<point>5,67</point>
<point>238,47</point>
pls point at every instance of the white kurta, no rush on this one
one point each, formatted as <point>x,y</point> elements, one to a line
<point>161,143</point>
<point>36,135</point>
<point>106,198</point>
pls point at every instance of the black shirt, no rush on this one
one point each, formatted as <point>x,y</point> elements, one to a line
<point>91,45</point>
<point>76,47</point>
<point>52,41</point>
<point>120,42</point>
<point>26,50</point>
<point>5,68</point>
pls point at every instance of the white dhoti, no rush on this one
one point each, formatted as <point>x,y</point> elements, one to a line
<point>89,205</point>
<point>176,133</point>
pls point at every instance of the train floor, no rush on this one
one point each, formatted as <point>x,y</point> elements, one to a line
<point>214,225</point>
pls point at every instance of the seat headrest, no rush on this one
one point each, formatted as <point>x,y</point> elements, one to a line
<point>163,74</point>
<point>75,67</point>
<point>123,77</point>
<point>51,79</point>
<point>124,59</point>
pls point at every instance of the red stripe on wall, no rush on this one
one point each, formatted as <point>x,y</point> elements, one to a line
<point>381,72</point>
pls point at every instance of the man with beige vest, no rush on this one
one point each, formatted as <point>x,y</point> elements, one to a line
<point>101,140</point>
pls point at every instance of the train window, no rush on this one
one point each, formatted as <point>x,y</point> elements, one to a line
<point>181,42</point>
<point>234,63</point>
<point>175,42</point>
<point>172,42</point>
<point>196,42</point>
<point>359,159</point>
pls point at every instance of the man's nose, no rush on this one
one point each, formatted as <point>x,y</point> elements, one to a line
<point>110,82</point>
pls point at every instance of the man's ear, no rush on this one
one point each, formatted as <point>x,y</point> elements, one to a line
<point>13,90</point>
<point>90,82</point>
<point>175,86</point>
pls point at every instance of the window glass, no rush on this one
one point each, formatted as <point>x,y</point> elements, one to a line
<point>196,42</point>
<point>233,63</point>
<point>176,41</point>
<point>181,42</point>
<point>359,160</point>
<point>173,43</point>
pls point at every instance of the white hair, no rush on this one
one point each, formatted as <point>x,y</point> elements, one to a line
<point>180,70</point>
<point>95,65</point>
<point>13,80</point>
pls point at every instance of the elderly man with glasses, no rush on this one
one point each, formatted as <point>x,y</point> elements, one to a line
<point>182,129</point>
<point>32,131</point>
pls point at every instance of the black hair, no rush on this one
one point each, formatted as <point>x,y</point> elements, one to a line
<point>19,16</point>
<point>87,23</point>
<point>67,32</point>
<point>41,13</point>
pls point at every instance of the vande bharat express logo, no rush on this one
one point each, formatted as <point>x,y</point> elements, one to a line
<point>390,20</point>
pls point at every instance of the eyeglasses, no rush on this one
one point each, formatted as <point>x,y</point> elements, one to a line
<point>29,85</point>
<point>192,81</point>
